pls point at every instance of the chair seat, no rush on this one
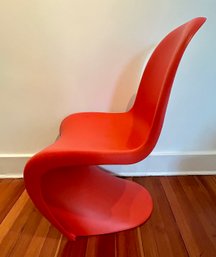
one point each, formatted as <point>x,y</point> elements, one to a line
<point>102,132</point>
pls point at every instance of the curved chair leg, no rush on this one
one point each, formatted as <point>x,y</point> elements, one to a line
<point>86,200</point>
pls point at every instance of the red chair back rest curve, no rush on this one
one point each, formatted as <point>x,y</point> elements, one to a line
<point>154,90</point>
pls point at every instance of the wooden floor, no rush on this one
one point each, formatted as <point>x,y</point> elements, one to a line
<point>183,223</point>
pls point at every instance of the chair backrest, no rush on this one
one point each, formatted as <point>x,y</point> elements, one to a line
<point>154,90</point>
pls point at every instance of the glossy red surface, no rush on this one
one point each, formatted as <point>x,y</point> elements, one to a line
<point>64,181</point>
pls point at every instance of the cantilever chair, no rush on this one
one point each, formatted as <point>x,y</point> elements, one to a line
<point>65,181</point>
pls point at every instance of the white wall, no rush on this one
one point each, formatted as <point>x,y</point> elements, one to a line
<point>61,57</point>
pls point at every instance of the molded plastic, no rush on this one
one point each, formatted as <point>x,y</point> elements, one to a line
<point>64,180</point>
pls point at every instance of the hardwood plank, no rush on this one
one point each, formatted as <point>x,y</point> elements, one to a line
<point>209,182</point>
<point>13,225</point>
<point>94,246</point>
<point>10,189</point>
<point>160,234</point>
<point>127,244</point>
<point>26,234</point>
<point>106,245</point>
<point>91,249</point>
<point>10,219</point>
<point>61,247</point>
<point>185,210</point>
<point>38,239</point>
<point>73,248</point>
<point>202,204</point>
<point>149,243</point>
<point>103,245</point>
<point>4,183</point>
<point>51,243</point>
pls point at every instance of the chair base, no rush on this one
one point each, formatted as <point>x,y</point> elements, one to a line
<point>86,200</point>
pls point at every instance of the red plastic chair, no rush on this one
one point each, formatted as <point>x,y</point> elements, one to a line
<point>64,180</point>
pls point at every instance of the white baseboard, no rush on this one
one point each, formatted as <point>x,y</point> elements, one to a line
<point>156,164</point>
<point>169,164</point>
<point>12,165</point>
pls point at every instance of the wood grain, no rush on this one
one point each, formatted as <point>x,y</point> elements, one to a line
<point>10,189</point>
<point>183,223</point>
<point>184,197</point>
<point>160,233</point>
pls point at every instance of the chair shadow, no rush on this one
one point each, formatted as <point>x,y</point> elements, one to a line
<point>129,80</point>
